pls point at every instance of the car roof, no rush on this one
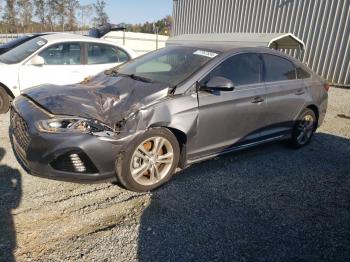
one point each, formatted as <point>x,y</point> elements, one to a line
<point>58,37</point>
<point>65,37</point>
<point>223,48</point>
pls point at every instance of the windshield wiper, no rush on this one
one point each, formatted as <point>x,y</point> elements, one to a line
<point>133,76</point>
<point>137,77</point>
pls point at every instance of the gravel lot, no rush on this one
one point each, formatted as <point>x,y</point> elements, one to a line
<point>271,203</point>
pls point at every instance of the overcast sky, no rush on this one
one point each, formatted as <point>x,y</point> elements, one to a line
<point>136,11</point>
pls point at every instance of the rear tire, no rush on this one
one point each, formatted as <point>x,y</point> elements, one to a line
<point>304,129</point>
<point>4,101</point>
<point>149,161</point>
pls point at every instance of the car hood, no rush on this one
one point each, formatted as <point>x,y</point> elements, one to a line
<point>107,99</point>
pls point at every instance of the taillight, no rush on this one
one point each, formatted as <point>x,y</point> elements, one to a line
<point>326,86</point>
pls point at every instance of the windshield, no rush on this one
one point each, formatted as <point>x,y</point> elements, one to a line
<point>170,65</point>
<point>22,51</point>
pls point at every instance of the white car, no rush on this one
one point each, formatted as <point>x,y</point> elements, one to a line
<point>58,59</point>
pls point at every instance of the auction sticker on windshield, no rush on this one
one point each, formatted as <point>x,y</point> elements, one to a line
<point>205,53</point>
<point>40,43</point>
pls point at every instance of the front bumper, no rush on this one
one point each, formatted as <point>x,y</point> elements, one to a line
<point>40,152</point>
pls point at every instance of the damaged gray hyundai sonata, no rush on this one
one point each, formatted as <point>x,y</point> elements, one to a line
<point>138,122</point>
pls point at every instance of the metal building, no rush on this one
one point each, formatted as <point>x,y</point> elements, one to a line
<point>323,25</point>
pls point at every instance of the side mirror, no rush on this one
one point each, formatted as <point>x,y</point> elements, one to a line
<point>37,61</point>
<point>220,83</point>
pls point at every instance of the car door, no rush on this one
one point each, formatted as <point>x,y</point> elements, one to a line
<point>63,65</point>
<point>285,93</point>
<point>233,117</point>
<point>101,57</point>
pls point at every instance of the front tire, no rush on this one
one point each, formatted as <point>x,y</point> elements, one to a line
<point>4,101</point>
<point>150,160</point>
<point>304,129</point>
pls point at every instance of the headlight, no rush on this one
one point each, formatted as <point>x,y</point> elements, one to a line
<point>64,125</point>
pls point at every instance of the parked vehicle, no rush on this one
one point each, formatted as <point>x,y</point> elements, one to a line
<point>170,108</point>
<point>18,41</point>
<point>58,59</point>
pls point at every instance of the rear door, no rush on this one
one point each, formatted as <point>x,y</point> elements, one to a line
<point>228,118</point>
<point>63,65</point>
<point>100,57</point>
<point>285,93</point>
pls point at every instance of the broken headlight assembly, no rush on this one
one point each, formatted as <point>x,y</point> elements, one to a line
<point>72,125</point>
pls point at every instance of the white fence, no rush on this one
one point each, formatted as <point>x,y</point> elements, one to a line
<point>140,42</point>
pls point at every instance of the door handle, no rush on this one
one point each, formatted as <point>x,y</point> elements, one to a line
<point>299,92</point>
<point>257,100</point>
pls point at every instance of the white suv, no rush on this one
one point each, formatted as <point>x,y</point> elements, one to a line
<point>58,59</point>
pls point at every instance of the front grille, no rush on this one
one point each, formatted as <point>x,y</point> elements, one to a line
<point>19,129</point>
<point>75,162</point>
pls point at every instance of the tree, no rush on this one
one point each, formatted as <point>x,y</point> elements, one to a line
<point>101,15</point>
<point>50,13</point>
<point>40,10</point>
<point>60,11</point>
<point>25,12</point>
<point>162,27</point>
<point>85,12</point>
<point>147,28</point>
<point>72,6</point>
<point>168,24</point>
<point>9,15</point>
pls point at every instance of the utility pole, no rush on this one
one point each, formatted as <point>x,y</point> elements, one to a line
<point>155,30</point>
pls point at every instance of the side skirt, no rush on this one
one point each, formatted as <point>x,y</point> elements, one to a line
<point>237,148</point>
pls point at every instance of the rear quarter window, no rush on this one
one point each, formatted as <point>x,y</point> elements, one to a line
<point>278,68</point>
<point>302,74</point>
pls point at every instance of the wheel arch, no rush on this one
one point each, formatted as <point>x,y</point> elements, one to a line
<point>8,91</point>
<point>179,134</point>
<point>314,108</point>
<point>181,137</point>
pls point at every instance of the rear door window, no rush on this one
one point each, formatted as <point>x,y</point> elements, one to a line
<point>105,54</point>
<point>278,68</point>
<point>241,69</point>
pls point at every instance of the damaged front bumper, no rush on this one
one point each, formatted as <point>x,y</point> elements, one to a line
<point>75,157</point>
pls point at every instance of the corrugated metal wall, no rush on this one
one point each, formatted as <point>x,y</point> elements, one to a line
<point>324,26</point>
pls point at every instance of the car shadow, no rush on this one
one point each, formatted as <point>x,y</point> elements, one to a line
<point>10,197</point>
<point>270,203</point>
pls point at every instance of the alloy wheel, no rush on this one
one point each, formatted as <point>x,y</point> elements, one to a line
<point>151,161</point>
<point>305,129</point>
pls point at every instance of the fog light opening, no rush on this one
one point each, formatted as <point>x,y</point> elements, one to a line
<point>77,163</point>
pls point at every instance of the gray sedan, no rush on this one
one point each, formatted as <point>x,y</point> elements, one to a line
<point>138,122</point>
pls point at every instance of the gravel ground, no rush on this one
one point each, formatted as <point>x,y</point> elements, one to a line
<point>265,204</point>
